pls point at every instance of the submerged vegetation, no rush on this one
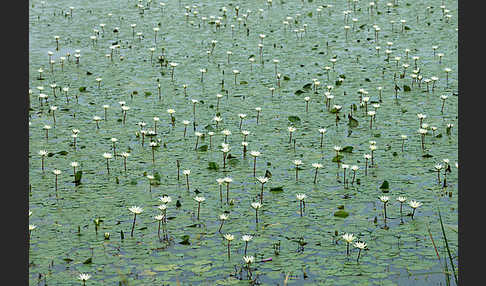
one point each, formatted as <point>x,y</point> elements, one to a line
<point>252,142</point>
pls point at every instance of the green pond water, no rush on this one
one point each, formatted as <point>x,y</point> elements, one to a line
<point>312,251</point>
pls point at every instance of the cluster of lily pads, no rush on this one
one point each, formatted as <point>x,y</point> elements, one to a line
<point>305,127</point>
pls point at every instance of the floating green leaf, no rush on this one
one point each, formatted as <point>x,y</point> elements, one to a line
<point>347,149</point>
<point>202,148</point>
<point>276,189</point>
<point>185,240</point>
<point>294,119</point>
<point>352,122</point>
<point>385,185</point>
<point>337,159</point>
<point>77,177</point>
<point>213,166</point>
<point>341,214</point>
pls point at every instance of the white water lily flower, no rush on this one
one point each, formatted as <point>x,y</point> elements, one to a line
<point>301,197</point>
<point>255,153</point>
<point>256,205</point>
<point>401,199</point>
<point>348,237</point>
<point>223,216</point>
<point>262,180</point>
<point>165,199</point>
<point>83,277</point>
<point>248,259</point>
<point>135,209</point>
<point>229,237</point>
<point>384,199</point>
<point>414,204</point>
<point>360,245</point>
<point>317,165</point>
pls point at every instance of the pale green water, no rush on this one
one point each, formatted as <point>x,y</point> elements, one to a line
<point>143,260</point>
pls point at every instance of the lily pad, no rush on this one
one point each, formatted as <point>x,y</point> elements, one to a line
<point>213,166</point>
<point>276,189</point>
<point>385,185</point>
<point>294,119</point>
<point>341,214</point>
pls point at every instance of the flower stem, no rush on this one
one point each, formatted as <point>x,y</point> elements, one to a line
<point>229,257</point>
<point>227,193</point>
<point>221,194</point>
<point>198,209</point>
<point>133,225</point>
<point>261,195</point>
<point>254,167</point>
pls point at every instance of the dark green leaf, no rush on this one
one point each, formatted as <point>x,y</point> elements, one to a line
<point>185,240</point>
<point>406,88</point>
<point>276,189</point>
<point>347,149</point>
<point>202,148</point>
<point>77,177</point>
<point>385,185</point>
<point>294,119</point>
<point>337,158</point>
<point>307,86</point>
<point>213,166</point>
<point>341,214</point>
<point>352,122</point>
